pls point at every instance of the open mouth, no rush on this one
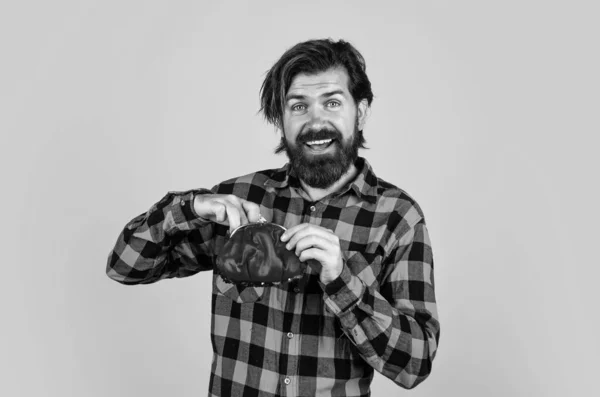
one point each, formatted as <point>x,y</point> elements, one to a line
<point>319,145</point>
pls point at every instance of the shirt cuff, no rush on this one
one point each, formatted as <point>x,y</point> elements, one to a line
<point>183,211</point>
<point>344,292</point>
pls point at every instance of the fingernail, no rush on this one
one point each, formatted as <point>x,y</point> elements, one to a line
<point>283,237</point>
<point>288,246</point>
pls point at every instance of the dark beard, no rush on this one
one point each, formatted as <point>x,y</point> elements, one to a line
<point>322,171</point>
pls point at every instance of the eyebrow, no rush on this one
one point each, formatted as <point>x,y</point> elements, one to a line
<point>328,94</point>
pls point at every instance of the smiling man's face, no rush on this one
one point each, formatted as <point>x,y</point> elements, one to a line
<point>321,123</point>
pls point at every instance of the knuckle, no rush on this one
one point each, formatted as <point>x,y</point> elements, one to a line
<point>232,198</point>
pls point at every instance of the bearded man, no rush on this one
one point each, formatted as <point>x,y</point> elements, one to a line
<point>366,301</point>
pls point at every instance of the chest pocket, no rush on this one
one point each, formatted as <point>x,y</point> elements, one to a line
<point>237,293</point>
<point>365,265</point>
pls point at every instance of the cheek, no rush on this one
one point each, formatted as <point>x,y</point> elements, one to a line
<point>345,124</point>
<point>291,130</point>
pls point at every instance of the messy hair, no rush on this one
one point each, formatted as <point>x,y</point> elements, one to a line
<point>311,57</point>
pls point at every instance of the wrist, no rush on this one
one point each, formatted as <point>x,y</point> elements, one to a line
<point>329,275</point>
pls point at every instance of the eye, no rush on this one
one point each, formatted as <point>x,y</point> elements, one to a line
<point>333,104</point>
<point>298,107</point>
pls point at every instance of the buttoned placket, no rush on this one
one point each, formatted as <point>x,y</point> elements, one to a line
<point>294,303</point>
<point>311,213</point>
<point>292,341</point>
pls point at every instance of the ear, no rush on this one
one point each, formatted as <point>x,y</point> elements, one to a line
<point>362,108</point>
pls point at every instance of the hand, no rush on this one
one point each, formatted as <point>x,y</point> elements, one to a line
<point>226,209</point>
<point>315,242</point>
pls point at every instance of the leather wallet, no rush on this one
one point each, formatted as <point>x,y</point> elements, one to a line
<point>254,255</point>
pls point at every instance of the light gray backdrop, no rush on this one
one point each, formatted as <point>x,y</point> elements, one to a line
<point>486,112</point>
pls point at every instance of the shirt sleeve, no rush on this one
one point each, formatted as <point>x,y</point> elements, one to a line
<point>169,240</point>
<point>395,328</point>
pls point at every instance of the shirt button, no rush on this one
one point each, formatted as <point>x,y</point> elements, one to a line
<point>287,381</point>
<point>313,208</point>
<point>296,289</point>
<point>290,335</point>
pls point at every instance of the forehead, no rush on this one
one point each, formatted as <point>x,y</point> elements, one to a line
<point>331,79</point>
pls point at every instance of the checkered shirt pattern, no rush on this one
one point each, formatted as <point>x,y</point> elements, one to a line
<point>303,338</point>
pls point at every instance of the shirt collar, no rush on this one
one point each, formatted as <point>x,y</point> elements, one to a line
<point>364,184</point>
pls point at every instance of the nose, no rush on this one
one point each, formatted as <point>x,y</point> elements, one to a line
<point>317,119</point>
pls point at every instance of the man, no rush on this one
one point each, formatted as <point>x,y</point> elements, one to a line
<point>365,303</point>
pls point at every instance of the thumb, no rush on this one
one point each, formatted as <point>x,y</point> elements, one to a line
<point>220,211</point>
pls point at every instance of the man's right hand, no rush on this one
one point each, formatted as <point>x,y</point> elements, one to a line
<point>226,209</point>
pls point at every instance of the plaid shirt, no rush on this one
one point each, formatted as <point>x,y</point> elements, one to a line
<point>303,338</point>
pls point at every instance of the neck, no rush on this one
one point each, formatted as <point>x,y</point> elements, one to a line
<point>317,194</point>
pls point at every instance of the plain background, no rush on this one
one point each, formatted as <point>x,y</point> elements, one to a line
<point>485,112</point>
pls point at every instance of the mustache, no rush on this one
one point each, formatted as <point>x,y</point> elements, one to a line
<point>317,135</point>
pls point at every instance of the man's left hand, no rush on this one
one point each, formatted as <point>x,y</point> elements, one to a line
<point>315,242</point>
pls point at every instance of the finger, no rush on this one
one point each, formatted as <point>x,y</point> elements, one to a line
<point>311,230</point>
<point>313,241</point>
<point>240,215</point>
<point>236,202</point>
<point>219,211</point>
<point>313,253</point>
<point>292,235</point>
<point>292,231</point>
<point>233,216</point>
<point>299,235</point>
<point>251,209</point>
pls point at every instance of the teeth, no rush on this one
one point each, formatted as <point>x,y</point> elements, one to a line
<point>319,142</point>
